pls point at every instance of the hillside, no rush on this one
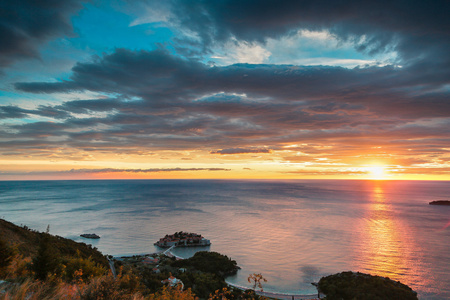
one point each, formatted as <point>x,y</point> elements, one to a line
<point>27,241</point>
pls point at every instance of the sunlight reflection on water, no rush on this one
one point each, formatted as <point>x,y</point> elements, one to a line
<point>384,248</point>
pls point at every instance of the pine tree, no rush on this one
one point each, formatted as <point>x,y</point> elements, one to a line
<point>47,259</point>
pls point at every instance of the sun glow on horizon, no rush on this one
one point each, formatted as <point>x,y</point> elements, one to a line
<point>376,172</point>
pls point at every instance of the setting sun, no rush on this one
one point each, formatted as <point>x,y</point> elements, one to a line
<point>376,172</point>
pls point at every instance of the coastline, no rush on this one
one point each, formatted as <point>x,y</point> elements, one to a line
<point>270,294</point>
<point>276,295</point>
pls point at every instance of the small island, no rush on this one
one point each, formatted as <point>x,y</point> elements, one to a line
<point>90,235</point>
<point>356,285</point>
<point>440,202</point>
<point>182,239</point>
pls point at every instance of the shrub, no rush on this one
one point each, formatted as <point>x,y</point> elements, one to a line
<point>18,268</point>
<point>6,256</point>
<point>172,293</point>
<point>38,290</point>
<point>107,287</point>
<point>88,268</point>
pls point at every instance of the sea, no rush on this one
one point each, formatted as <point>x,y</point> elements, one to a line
<point>293,232</point>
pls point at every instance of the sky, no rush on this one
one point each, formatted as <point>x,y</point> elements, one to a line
<point>262,89</point>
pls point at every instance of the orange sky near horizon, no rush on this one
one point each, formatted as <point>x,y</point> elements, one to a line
<point>284,164</point>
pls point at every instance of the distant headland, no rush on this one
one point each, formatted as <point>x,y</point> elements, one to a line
<point>182,239</point>
<point>440,202</point>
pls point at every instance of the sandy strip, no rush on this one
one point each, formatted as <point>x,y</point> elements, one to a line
<point>281,296</point>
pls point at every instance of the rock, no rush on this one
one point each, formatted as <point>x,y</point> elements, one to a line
<point>90,236</point>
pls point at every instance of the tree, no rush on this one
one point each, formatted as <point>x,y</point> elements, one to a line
<point>47,259</point>
<point>257,280</point>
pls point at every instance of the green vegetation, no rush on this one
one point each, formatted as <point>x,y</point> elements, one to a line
<point>349,285</point>
<point>209,262</point>
<point>202,284</point>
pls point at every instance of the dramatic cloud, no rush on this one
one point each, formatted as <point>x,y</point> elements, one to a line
<point>170,103</point>
<point>416,30</point>
<point>184,104</point>
<point>164,80</point>
<point>26,24</point>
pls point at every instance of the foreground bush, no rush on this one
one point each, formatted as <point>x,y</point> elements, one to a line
<point>38,290</point>
<point>89,269</point>
<point>105,287</point>
<point>172,293</point>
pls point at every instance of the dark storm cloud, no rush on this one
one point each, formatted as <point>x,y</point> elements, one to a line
<point>154,74</point>
<point>157,75</point>
<point>416,29</point>
<point>26,24</point>
<point>14,112</point>
<point>166,102</point>
<point>40,129</point>
<point>171,84</point>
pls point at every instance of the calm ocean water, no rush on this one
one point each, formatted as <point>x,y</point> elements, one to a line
<point>293,232</point>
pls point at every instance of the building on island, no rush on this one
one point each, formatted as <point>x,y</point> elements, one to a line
<point>182,239</point>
